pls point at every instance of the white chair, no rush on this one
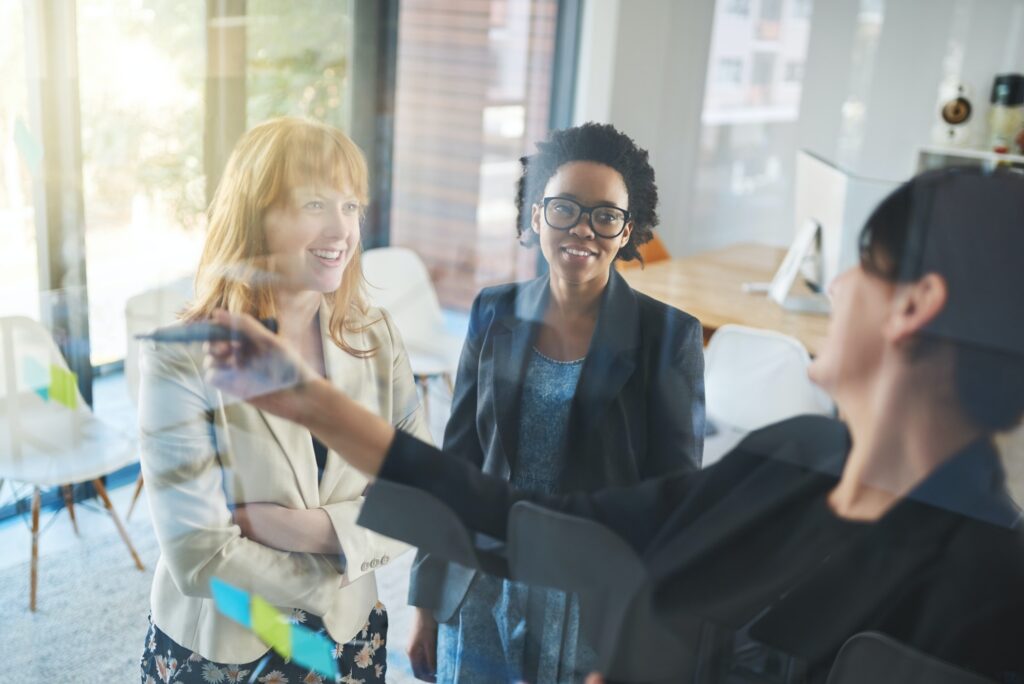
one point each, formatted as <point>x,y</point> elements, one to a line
<point>143,312</point>
<point>49,436</point>
<point>398,281</point>
<point>754,378</point>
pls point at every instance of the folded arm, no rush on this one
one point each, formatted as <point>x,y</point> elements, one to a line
<point>198,538</point>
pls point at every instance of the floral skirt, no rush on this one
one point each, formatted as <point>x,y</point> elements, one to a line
<point>361,661</point>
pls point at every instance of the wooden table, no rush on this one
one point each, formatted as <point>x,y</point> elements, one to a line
<point>709,286</point>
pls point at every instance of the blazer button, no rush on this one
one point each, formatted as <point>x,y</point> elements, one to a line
<point>374,563</point>
<point>384,560</point>
<point>365,566</point>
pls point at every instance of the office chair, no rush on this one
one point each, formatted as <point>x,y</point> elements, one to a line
<point>879,659</point>
<point>561,551</point>
<point>49,435</point>
<point>754,378</point>
<point>399,282</point>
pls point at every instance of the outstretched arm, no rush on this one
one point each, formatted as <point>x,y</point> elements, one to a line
<point>264,371</point>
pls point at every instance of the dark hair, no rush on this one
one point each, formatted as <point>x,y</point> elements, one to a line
<point>989,383</point>
<point>604,144</point>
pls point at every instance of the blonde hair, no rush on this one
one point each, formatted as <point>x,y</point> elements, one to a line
<point>267,164</point>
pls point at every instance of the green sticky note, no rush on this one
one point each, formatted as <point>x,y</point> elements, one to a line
<point>30,149</point>
<point>271,627</point>
<point>63,386</point>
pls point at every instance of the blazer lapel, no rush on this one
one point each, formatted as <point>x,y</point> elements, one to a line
<point>510,352</point>
<point>611,358</point>
<point>348,373</point>
<point>295,441</point>
<point>297,447</point>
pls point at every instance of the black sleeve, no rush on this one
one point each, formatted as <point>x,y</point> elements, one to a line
<point>482,502</point>
<point>461,440</point>
<point>675,420</point>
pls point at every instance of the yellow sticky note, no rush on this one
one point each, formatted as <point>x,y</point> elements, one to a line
<point>271,627</point>
<point>63,385</point>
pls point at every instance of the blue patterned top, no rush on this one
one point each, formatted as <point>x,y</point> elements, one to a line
<point>507,631</point>
<point>548,389</point>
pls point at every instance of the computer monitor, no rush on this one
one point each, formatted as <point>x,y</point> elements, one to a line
<point>838,202</point>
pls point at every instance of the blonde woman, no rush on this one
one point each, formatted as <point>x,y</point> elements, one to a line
<point>237,493</point>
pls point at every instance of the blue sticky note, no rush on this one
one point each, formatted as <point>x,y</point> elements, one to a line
<point>36,376</point>
<point>30,149</point>
<point>231,601</point>
<point>315,651</point>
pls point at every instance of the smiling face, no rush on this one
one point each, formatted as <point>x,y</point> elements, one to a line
<point>578,255</point>
<point>312,237</point>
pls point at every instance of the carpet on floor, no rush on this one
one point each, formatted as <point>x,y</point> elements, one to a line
<point>93,606</point>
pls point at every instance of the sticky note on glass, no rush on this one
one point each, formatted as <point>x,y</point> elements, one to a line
<point>30,149</point>
<point>63,386</point>
<point>300,644</point>
<point>36,376</point>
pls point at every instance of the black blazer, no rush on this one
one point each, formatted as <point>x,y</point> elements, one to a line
<point>749,547</point>
<point>638,411</point>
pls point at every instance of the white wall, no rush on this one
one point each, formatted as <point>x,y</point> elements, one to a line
<point>868,103</point>
<point>642,67</point>
<point>922,43</point>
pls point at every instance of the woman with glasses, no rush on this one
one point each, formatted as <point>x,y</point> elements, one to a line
<point>572,381</point>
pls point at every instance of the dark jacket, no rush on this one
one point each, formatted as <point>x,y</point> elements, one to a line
<point>751,547</point>
<point>638,410</point>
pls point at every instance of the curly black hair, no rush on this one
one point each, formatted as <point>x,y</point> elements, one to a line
<point>604,144</point>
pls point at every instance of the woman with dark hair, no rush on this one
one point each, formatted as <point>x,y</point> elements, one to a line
<point>810,531</point>
<point>576,358</point>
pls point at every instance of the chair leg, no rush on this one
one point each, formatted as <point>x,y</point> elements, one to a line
<point>34,572</point>
<point>449,382</point>
<point>135,497</point>
<point>69,503</point>
<point>102,492</point>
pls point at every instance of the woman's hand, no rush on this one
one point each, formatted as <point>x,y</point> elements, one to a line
<point>259,367</point>
<point>287,529</point>
<point>264,523</point>
<point>422,649</point>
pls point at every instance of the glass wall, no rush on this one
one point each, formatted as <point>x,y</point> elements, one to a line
<point>143,74</point>
<point>141,81</point>
<point>473,95</point>
<point>20,161</point>
<point>744,181</point>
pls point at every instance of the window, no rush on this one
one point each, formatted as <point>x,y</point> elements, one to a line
<point>768,24</point>
<point>147,126</point>
<point>473,95</point>
<point>141,83</point>
<point>730,70</point>
<point>739,7</point>
<point>801,9</point>
<point>748,137</point>
<point>20,159</point>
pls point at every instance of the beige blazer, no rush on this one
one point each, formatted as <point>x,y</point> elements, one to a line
<point>202,450</point>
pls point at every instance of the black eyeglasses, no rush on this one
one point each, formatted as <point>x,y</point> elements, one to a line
<point>606,220</point>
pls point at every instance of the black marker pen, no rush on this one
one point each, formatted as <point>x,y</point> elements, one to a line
<point>201,331</point>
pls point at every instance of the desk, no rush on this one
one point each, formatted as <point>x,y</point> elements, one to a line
<point>709,287</point>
